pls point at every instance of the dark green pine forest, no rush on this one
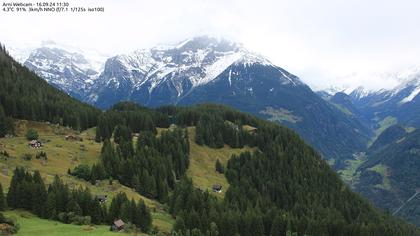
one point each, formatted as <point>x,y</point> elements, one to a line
<point>284,187</point>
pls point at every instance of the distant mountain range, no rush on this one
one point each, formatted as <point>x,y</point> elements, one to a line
<point>387,173</point>
<point>401,103</point>
<point>204,70</point>
<point>390,175</point>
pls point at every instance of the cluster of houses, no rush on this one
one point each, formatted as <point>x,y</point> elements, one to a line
<point>38,144</point>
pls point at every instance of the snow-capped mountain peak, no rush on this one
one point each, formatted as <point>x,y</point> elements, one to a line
<point>198,60</point>
<point>412,88</point>
<point>66,69</point>
<point>176,69</point>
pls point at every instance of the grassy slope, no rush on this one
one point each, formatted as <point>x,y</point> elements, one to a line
<point>202,163</point>
<point>63,155</point>
<point>350,174</point>
<point>31,225</point>
<point>384,172</point>
<point>383,125</point>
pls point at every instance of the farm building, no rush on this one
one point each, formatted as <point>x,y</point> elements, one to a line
<point>35,144</point>
<point>102,198</point>
<point>217,188</point>
<point>118,225</point>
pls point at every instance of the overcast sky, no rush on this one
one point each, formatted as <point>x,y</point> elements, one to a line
<point>324,42</point>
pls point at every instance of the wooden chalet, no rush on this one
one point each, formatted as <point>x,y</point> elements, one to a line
<point>118,225</point>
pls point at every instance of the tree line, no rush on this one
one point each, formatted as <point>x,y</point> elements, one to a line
<point>129,115</point>
<point>78,206</point>
<point>283,188</point>
<point>150,165</point>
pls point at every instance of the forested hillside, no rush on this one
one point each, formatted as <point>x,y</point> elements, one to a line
<point>283,187</point>
<point>23,95</point>
<point>390,176</point>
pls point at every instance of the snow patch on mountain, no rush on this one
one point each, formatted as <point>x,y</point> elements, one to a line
<point>176,69</point>
<point>412,95</point>
<point>215,69</point>
<point>199,61</point>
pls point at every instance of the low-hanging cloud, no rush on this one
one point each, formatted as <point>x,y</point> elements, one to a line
<point>321,41</point>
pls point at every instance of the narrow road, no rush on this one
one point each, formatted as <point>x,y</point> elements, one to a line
<point>411,198</point>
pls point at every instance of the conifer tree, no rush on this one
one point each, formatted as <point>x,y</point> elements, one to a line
<point>39,196</point>
<point>219,167</point>
<point>3,203</point>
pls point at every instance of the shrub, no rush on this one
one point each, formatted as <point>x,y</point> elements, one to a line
<point>80,220</point>
<point>8,225</point>
<point>4,153</point>
<point>62,217</point>
<point>41,155</point>
<point>82,171</point>
<point>219,167</point>
<point>72,218</point>
<point>27,157</point>
<point>32,134</point>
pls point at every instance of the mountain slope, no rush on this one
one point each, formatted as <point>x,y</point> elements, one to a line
<point>401,103</point>
<point>70,72</point>
<point>273,93</point>
<point>344,103</point>
<point>162,75</point>
<point>281,182</point>
<point>389,136</point>
<point>23,95</point>
<point>390,175</point>
<point>206,69</point>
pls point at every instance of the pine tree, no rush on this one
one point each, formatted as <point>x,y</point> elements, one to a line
<point>32,134</point>
<point>50,208</point>
<point>179,224</point>
<point>213,230</point>
<point>13,195</point>
<point>73,206</point>
<point>96,211</point>
<point>3,203</point>
<point>6,124</point>
<point>278,227</point>
<point>125,212</point>
<point>219,167</point>
<point>39,196</point>
<point>146,218</point>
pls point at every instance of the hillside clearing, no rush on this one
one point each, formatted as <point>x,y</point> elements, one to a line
<point>31,225</point>
<point>202,163</point>
<point>63,155</point>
